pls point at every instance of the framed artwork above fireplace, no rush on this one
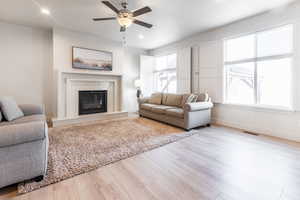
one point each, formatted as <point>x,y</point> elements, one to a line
<point>83,58</point>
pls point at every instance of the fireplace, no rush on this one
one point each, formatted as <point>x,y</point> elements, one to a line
<point>93,101</point>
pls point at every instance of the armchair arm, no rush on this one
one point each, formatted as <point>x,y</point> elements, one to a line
<point>143,100</point>
<point>21,133</point>
<point>191,107</point>
<point>29,109</point>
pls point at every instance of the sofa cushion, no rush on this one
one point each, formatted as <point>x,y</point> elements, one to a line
<point>155,98</point>
<point>147,106</point>
<point>175,112</point>
<point>26,119</point>
<point>172,100</point>
<point>161,109</point>
<point>10,109</point>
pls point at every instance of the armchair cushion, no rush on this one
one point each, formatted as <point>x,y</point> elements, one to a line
<point>10,109</point>
<point>190,107</point>
<point>26,119</point>
<point>22,133</point>
<point>29,109</point>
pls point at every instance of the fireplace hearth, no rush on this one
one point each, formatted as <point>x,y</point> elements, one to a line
<point>92,101</point>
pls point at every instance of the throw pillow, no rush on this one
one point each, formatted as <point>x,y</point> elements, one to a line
<point>191,98</point>
<point>195,98</point>
<point>155,98</point>
<point>184,99</point>
<point>10,109</point>
<point>203,97</point>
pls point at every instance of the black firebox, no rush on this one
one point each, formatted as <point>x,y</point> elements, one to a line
<point>93,101</point>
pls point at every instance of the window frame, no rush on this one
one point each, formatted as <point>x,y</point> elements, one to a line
<point>256,60</point>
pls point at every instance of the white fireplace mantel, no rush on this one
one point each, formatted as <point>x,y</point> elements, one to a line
<point>70,83</point>
<point>93,73</point>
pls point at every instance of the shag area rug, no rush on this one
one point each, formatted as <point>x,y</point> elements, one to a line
<point>78,149</point>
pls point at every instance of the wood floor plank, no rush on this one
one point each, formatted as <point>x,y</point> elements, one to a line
<point>218,163</point>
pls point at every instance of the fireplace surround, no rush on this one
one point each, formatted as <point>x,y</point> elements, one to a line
<point>69,85</point>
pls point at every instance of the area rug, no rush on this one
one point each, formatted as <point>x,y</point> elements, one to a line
<point>78,149</point>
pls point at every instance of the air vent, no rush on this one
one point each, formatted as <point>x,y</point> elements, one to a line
<point>251,133</point>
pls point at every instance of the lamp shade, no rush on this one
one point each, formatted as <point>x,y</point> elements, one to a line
<point>137,83</point>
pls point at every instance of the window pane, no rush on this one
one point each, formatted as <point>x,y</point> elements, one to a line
<point>172,60</point>
<point>274,82</point>
<point>240,48</point>
<point>166,81</point>
<point>275,42</point>
<point>172,84</point>
<point>161,63</point>
<point>240,83</point>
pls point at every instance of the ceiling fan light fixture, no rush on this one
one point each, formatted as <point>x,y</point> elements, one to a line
<point>125,18</point>
<point>124,21</point>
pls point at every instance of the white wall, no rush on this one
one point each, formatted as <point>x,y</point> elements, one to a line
<point>208,67</point>
<point>131,72</point>
<point>26,57</point>
<point>125,60</point>
<point>30,58</point>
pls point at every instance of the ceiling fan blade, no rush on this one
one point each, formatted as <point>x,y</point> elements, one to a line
<point>142,23</point>
<point>123,29</point>
<point>103,19</point>
<point>141,11</point>
<point>108,4</point>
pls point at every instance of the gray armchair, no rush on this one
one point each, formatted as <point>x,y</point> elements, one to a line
<point>24,147</point>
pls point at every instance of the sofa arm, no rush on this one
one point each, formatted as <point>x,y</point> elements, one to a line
<point>29,109</point>
<point>191,107</point>
<point>21,133</point>
<point>143,100</point>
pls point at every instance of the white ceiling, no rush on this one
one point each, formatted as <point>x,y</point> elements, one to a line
<point>172,19</point>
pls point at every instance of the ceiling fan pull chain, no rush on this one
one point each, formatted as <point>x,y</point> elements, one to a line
<point>124,43</point>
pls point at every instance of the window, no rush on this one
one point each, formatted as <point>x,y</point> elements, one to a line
<point>258,68</point>
<point>165,74</point>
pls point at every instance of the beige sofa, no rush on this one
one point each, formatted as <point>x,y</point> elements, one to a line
<point>177,109</point>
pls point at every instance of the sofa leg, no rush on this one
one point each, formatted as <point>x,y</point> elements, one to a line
<point>39,178</point>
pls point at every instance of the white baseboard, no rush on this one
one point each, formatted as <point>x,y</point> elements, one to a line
<point>87,118</point>
<point>262,131</point>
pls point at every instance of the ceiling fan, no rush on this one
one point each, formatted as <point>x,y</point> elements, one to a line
<point>126,17</point>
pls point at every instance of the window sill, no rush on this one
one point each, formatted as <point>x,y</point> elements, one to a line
<point>260,107</point>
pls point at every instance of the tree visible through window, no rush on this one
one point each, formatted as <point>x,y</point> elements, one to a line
<point>258,68</point>
<point>165,74</point>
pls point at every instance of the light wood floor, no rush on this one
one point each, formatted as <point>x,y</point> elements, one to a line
<point>216,164</point>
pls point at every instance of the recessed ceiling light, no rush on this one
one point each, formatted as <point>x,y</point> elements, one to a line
<point>141,36</point>
<point>45,11</point>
